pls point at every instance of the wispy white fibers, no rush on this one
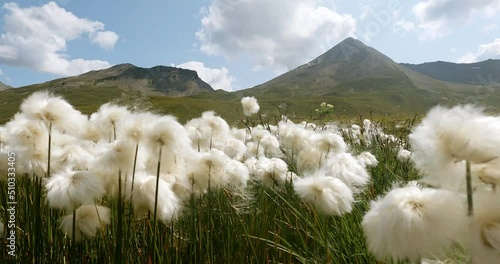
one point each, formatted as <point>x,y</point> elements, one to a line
<point>271,171</point>
<point>366,159</point>
<point>250,105</point>
<point>70,189</point>
<point>347,168</point>
<point>136,125</point>
<point>446,136</point>
<point>172,137</point>
<point>293,138</point>
<point>89,220</point>
<point>413,223</point>
<point>237,174</point>
<point>208,168</point>
<point>168,206</point>
<point>310,159</point>
<point>28,139</point>
<point>235,149</point>
<point>3,138</point>
<point>404,155</point>
<point>488,172</point>
<point>328,194</point>
<point>53,110</point>
<point>485,244</point>
<point>328,142</point>
<point>109,120</point>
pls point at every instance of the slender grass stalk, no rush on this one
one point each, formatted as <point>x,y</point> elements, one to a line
<point>156,204</point>
<point>470,204</point>
<point>133,179</point>
<point>49,224</point>
<point>119,232</point>
<point>73,239</point>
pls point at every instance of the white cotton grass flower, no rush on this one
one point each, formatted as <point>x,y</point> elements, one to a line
<point>218,126</point>
<point>115,156</point>
<point>413,223</point>
<point>109,120</point>
<point>455,134</point>
<point>135,127</point>
<point>237,174</point>
<point>329,142</point>
<point>348,169</point>
<point>328,194</point>
<point>367,160</point>
<point>309,160</point>
<point>235,149</point>
<point>485,228</point>
<point>271,171</point>
<point>404,155</point>
<point>208,168</point>
<point>23,132</point>
<point>168,206</point>
<point>250,105</point>
<point>167,132</point>
<point>70,189</point>
<point>54,110</point>
<point>74,157</point>
<point>88,221</point>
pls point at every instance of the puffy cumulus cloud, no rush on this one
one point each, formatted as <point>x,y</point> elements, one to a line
<point>438,18</point>
<point>280,34</point>
<point>36,37</point>
<point>484,52</point>
<point>105,39</point>
<point>217,78</point>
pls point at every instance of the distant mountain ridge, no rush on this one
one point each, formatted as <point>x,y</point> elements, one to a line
<point>484,72</point>
<point>353,70</point>
<point>158,80</point>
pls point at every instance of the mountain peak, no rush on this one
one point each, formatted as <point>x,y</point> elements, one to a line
<point>4,86</point>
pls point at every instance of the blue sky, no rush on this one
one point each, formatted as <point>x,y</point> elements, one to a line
<point>233,44</point>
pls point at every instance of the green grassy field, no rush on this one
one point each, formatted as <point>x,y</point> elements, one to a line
<point>266,225</point>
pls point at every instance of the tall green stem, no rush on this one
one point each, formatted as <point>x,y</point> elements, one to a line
<point>470,204</point>
<point>156,203</point>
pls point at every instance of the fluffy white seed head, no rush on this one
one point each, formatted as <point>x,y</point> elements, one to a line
<point>366,159</point>
<point>413,223</point>
<point>271,171</point>
<point>329,195</point>
<point>250,105</point>
<point>485,228</point>
<point>168,206</point>
<point>347,168</point>
<point>89,220</point>
<point>404,155</point>
<point>70,189</point>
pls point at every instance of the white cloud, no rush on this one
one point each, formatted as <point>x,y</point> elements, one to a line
<point>217,78</point>
<point>403,25</point>
<point>36,37</point>
<point>438,18</point>
<point>1,72</point>
<point>105,39</point>
<point>485,51</point>
<point>280,34</point>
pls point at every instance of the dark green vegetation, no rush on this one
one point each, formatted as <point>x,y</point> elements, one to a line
<point>268,225</point>
<point>484,72</point>
<point>352,76</point>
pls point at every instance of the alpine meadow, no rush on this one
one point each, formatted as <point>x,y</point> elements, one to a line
<point>256,131</point>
